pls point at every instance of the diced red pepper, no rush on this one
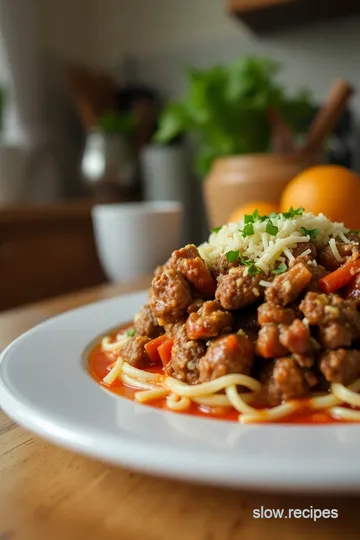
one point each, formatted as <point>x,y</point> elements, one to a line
<point>152,346</point>
<point>340,277</point>
<point>164,351</point>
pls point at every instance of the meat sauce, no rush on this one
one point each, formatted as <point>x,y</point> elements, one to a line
<point>99,368</point>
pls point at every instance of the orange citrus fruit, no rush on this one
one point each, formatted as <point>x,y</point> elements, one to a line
<point>264,208</point>
<point>330,189</point>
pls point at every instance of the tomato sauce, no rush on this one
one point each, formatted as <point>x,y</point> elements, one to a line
<point>99,367</point>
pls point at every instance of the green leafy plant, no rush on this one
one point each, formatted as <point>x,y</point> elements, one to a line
<point>225,109</point>
<point>116,123</point>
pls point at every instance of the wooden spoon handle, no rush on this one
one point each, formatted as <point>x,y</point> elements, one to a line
<point>281,134</point>
<point>328,115</point>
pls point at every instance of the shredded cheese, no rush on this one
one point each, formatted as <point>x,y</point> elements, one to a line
<point>265,250</point>
<point>264,283</point>
<point>306,252</point>
<point>334,249</point>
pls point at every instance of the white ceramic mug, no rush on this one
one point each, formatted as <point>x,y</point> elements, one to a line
<point>132,239</point>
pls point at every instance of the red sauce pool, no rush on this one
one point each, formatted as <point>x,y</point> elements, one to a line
<point>99,367</point>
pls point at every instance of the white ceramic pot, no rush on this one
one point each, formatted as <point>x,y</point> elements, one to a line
<point>166,172</point>
<point>132,239</point>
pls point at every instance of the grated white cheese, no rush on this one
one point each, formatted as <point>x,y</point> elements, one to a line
<point>265,250</point>
<point>264,283</point>
<point>265,240</point>
<point>305,322</point>
<point>289,255</point>
<point>335,250</point>
<point>343,238</point>
<point>306,252</point>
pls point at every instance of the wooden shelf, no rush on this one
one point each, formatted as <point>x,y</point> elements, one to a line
<point>268,15</point>
<point>47,250</point>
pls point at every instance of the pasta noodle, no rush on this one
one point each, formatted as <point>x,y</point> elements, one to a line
<point>269,415</point>
<point>212,386</point>
<point>115,371</point>
<point>177,403</point>
<point>145,396</point>
<point>223,392</point>
<point>115,346</point>
<point>237,402</point>
<point>342,413</point>
<point>143,375</point>
<point>345,394</point>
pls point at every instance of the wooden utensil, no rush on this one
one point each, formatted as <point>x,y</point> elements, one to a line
<point>328,115</point>
<point>282,136</point>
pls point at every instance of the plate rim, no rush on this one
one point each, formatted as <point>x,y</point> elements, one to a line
<point>167,460</point>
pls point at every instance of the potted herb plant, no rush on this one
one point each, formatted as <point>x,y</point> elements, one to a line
<point>243,122</point>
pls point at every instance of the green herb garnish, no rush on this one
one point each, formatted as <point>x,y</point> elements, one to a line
<point>253,270</point>
<point>252,218</point>
<point>248,230</point>
<point>235,256</point>
<point>271,228</point>
<point>313,233</point>
<point>244,261</point>
<point>130,332</point>
<point>280,269</point>
<point>216,229</point>
<point>248,218</point>
<point>293,212</point>
<point>232,256</point>
<point>273,215</point>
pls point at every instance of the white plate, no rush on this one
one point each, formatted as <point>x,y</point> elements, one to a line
<point>45,387</point>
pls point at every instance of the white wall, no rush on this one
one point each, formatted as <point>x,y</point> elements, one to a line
<point>150,27</point>
<point>67,28</point>
<point>166,34</point>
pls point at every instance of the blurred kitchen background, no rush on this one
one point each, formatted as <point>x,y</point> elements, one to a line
<point>83,85</point>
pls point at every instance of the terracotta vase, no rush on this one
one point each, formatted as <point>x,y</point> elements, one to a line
<point>237,180</point>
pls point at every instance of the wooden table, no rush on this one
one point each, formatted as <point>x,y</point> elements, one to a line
<point>47,493</point>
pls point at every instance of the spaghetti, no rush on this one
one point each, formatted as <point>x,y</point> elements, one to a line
<point>222,392</point>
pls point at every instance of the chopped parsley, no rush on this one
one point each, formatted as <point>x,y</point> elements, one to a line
<point>293,212</point>
<point>244,261</point>
<point>271,228</point>
<point>232,256</point>
<point>313,233</point>
<point>253,270</point>
<point>130,332</point>
<point>216,229</point>
<point>280,269</point>
<point>248,230</point>
<point>254,217</point>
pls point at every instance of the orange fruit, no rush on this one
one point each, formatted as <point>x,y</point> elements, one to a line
<point>330,189</point>
<point>264,207</point>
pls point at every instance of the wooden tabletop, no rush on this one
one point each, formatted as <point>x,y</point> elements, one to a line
<point>47,493</point>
